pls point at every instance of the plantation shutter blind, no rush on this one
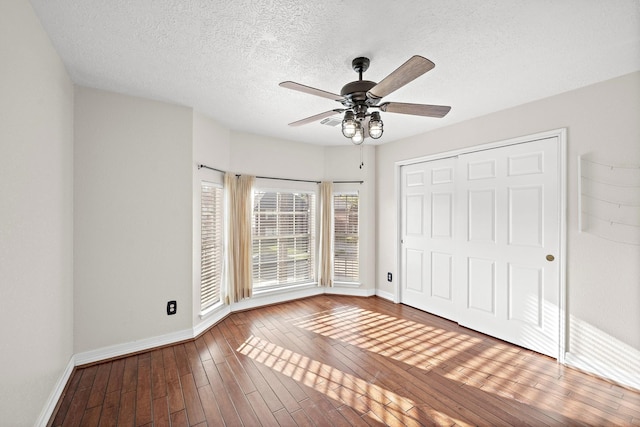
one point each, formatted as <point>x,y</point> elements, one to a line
<point>211,244</point>
<point>346,259</point>
<point>283,238</point>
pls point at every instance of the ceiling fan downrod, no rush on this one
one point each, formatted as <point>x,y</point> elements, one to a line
<point>360,65</point>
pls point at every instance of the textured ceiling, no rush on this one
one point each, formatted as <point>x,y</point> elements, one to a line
<point>226,58</point>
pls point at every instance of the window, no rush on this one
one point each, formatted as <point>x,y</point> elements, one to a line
<point>346,248</point>
<point>211,244</point>
<point>283,238</point>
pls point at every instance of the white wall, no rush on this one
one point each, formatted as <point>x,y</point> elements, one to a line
<point>36,216</point>
<point>264,156</point>
<point>211,142</point>
<point>133,218</point>
<point>211,147</point>
<point>602,276</point>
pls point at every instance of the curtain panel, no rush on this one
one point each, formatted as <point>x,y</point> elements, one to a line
<point>325,277</point>
<point>239,196</point>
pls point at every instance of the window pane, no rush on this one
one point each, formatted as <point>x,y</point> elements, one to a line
<point>285,226</point>
<point>285,202</point>
<point>346,238</point>
<point>283,234</point>
<point>211,244</point>
<point>266,202</point>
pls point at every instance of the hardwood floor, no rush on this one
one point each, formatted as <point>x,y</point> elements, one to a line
<point>340,361</point>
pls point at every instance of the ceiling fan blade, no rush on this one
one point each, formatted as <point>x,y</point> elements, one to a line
<point>311,90</point>
<point>407,72</point>
<point>438,111</point>
<point>316,117</point>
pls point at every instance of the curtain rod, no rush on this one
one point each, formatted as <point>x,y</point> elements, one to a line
<point>200,166</point>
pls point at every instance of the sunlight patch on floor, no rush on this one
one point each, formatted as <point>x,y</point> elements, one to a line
<point>430,348</point>
<point>400,339</point>
<point>361,395</point>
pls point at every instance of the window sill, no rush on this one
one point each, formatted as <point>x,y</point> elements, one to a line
<point>346,284</point>
<point>207,312</point>
<point>283,289</point>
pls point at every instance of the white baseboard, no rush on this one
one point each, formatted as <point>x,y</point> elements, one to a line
<point>617,374</point>
<point>211,320</point>
<point>385,295</point>
<point>118,350</point>
<point>56,394</point>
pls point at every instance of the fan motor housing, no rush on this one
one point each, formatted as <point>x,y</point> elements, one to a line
<point>356,92</point>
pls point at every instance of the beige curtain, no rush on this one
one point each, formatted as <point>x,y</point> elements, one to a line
<point>325,277</point>
<point>239,198</point>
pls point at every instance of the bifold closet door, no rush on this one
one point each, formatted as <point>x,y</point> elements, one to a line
<point>509,229</point>
<point>428,240</point>
<point>480,239</point>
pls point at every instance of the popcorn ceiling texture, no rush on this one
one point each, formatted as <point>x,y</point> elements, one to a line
<point>226,58</point>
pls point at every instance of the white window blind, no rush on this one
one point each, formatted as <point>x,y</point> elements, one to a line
<point>283,238</point>
<point>211,244</point>
<point>346,259</point>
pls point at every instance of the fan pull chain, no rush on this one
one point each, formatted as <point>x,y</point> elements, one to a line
<point>361,162</point>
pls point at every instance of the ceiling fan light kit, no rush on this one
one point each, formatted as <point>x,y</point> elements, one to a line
<point>358,138</point>
<point>375,125</point>
<point>349,124</point>
<point>360,96</point>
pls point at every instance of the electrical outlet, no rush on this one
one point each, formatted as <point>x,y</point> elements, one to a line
<point>389,277</point>
<point>172,307</point>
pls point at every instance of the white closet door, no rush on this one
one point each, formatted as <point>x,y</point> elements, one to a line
<point>428,241</point>
<point>509,229</point>
<point>480,239</point>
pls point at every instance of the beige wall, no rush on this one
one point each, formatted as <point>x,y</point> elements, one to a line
<point>133,218</point>
<point>36,216</point>
<point>603,295</point>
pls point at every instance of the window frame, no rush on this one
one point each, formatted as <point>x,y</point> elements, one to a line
<point>343,280</point>
<point>204,311</point>
<point>312,242</point>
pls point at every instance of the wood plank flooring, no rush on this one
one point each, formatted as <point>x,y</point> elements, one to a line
<point>340,361</point>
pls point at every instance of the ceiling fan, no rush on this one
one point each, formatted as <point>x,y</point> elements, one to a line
<point>360,96</point>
